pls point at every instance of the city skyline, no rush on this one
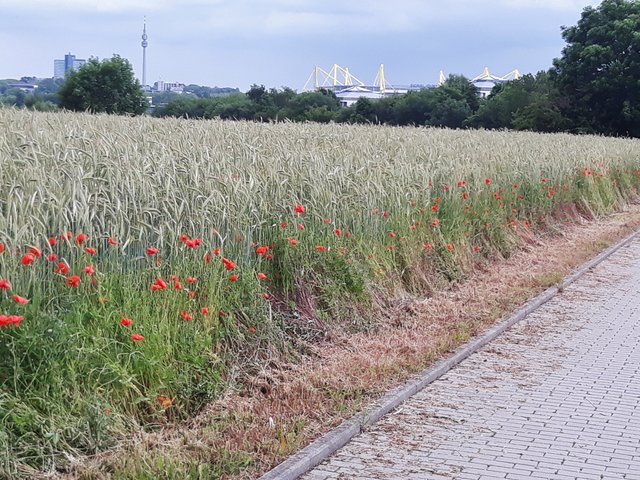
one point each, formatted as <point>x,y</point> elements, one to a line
<point>220,43</point>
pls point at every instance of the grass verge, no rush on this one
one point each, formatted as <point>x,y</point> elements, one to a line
<point>273,412</point>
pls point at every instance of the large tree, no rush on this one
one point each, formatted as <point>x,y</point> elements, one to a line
<point>599,71</point>
<point>103,86</point>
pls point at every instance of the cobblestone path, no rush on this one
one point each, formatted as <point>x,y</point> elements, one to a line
<point>555,397</point>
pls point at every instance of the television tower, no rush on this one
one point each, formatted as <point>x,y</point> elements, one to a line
<point>144,53</point>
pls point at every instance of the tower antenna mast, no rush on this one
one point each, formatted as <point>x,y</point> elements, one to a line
<point>144,53</point>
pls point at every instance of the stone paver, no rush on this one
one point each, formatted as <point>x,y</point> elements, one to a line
<point>555,397</point>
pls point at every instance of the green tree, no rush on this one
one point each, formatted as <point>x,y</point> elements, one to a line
<point>319,106</point>
<point>103,86</point>
<point>50,85</point>
<point>599,68</point>
<point>541,115</point>
<point>529,103</point>
<point>467,90</point>
<point>445,106</point>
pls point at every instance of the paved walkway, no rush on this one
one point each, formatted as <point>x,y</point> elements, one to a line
<point>555,397</point>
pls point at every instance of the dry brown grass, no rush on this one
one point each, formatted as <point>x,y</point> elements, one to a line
<point>345,373</point>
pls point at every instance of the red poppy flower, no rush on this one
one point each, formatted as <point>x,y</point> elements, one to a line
<point>73,281</point>
<point>300,208</point>
<point>261,276</point>
<point>283,224</point>
<point>166,402</point>
<point>4,284</point>
<point>62,268</point>
<point>81,238</point>
<point>391,247</point>
<point>487,181</point>
<point>90,250</point>
<point>89,270</point>
<point>265,296</point>
<point>6,320</point>
<point>2,247</point>
<point>427,246</point>
<point>326,220</point>
<point>476,249</point>
<point>186,315</point>
<point>52,241</point>
<point>112,241</point>
<point>338,232</point>
<point>136,337</point>
<point>321,248</point>
<point>191,243</point>
<point>434,208</point>
<point>252,329</point>
<point>191,294</point>
<point>52,257</point>
<point>184,238</point>
<point>27,259</point>
<point>160,283</point>
<point>385,214</point>
<point>177,285</point>
<point>35,251</point>
<point>228,264</point>
<point>262,250</point>
<point>392,234</point>
<point>216,251</point>
<point>461,183</point>
<point>449,247</point>
<point>435,223</point>
<point>204,311</point>
<point>412,227</point>
<point>301,227</point>
<point>293,241</point>
<point>221,313</point>
<point>233,278</point>
<point>465,195</point>
<point>268,256</point>
<point>125,322</point>
<point>192,279</point>
<point>20,300</point>
<point>152,250</point>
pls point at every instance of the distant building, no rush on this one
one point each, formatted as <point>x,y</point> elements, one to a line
<point>486,81</point>
<point>70,62</point>
<point>347,96</point>
<point>348,89</point>
<point>25,87</point>
<point>162,86</point>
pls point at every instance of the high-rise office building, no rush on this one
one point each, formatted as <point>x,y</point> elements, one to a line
<point>70,62</point>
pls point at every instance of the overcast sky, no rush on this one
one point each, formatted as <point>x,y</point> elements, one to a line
<point>278,42</point>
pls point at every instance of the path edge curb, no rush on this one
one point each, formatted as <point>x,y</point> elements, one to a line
<point>316,452</point>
